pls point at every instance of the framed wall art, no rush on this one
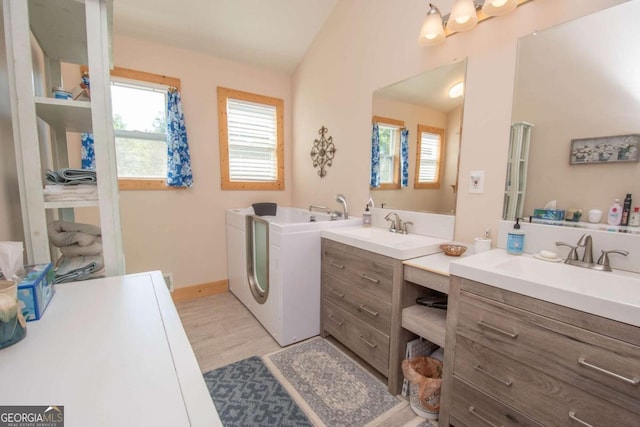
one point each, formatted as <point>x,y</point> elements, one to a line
<point>606,149</point>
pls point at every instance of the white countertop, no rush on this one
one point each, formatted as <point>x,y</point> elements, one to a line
<point>381,241</point>
<point>614,295</point>
<point>112,352</point>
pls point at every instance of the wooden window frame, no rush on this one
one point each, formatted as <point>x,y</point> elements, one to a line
<point>396,158</point>
<point>143,76</point>
<point>226,184</point>
<point>429,185</point>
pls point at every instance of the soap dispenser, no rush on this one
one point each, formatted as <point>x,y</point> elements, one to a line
<point>515,239</point>
<point>366,217</point>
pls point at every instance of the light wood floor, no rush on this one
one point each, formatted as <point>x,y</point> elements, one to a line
<point>222,331</point>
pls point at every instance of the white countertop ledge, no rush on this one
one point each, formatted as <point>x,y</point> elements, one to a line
<point>614,295</point>
<point>381,241</point>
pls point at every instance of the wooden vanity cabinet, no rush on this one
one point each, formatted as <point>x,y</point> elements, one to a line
<point>515,360</point>
<point>359,292</point>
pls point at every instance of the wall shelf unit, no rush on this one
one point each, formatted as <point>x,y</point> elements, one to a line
<point>76,32</point>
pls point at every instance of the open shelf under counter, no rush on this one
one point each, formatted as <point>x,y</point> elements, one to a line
<point>72,116</point>
<point>71,204</point>
<point>428,322</point>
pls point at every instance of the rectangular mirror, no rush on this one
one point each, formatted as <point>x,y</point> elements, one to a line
<point>580,80</point>
<point>422,106</point>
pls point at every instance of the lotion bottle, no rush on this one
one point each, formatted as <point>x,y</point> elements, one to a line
<point>615,213</point>
<point>634,218</point>
<point>366,217</point>
<point>515,239</point>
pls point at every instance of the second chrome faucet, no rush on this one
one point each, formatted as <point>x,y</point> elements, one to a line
<point>397,225</point>
<point>586,242</point>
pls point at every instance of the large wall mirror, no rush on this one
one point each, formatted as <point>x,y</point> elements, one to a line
<point>423,106</point>
<point>580,80</point>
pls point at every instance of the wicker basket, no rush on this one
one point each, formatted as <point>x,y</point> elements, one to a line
<point>425,380</point>
<point>453,249</point>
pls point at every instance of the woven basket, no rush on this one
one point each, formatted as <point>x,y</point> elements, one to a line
<point>425,380</point>
<point>453,249</point>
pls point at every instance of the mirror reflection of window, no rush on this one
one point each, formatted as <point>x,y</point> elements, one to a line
<point>429,157</point>
<point>389,140</point>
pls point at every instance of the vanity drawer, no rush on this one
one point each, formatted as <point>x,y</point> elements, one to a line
<point>473,408</point>
<point>363,269</point>
<point>364,340</point>
<point>534,392</point>
<point>363,305</point>
<point>600,365</point>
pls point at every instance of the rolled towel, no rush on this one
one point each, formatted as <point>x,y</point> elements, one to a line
<point>76,250</point>
<point>64,233</point>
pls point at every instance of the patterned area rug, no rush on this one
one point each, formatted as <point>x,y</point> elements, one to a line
<point>335,390</point>
<point>245,393</point>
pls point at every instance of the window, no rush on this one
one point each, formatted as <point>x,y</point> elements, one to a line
<point>139,108</point>
<point>429,157</point>
<point>389,139</point>
<point>251,141</point>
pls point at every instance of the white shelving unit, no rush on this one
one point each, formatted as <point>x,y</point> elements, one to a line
<point>516,183</point>
<point>77,32</point>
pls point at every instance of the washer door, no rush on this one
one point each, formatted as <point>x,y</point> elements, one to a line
<point>258,257</point>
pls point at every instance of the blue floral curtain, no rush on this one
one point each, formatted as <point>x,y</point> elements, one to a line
<point>88,155</point>
<point>375,157</point>
<point>178,158</point>
<point>404,157</point>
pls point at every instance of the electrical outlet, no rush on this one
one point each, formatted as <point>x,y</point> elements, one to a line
<point>168,279</point>
<point>476,182</point>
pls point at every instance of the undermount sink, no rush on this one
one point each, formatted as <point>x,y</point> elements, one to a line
<point>615,294</point>
<point>381,241</point>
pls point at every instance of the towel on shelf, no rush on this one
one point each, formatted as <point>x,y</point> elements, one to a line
<point>59,192</point>
<point>70,176</point>
<point>65,233</point>
<point>79,268</point>
<point>76,250</point>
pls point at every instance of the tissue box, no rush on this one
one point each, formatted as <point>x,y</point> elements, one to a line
<point>553,214</point>
<point>35,290</point>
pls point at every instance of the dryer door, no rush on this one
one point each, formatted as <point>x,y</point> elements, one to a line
<point>258,257</point>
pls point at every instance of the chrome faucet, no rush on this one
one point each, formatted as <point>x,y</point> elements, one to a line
<point>341,199</point>
<point>586,242</point>
<point>319,208</point>
<point>396,225</point>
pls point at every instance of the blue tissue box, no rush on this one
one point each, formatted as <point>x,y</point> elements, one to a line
<point>553,214</point>
<point>35,290</point>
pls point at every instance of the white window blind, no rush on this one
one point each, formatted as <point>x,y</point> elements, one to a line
<point>429,157</point>
<point>252,133</point>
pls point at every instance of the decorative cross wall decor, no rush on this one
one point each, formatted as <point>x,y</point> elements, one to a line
<point>323,151</point>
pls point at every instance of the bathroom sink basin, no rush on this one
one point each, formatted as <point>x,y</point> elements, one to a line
<point>381,241</point>
<point>615,294</point>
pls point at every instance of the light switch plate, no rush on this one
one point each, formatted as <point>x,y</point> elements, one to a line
<point>476,182</point>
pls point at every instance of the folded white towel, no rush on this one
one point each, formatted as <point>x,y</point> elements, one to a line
<point>76,250</point>
<point>64,233</point>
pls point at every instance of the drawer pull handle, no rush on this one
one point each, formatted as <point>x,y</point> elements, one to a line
<point>473,412</point>
<point>490,375</point>
<point>336,293</point>
<point>335,264</point>
<point>495,329</point>
<point>367,342</point>
<point>572,415</point>
<point>368,310</point>
<point>632,381</point>
<point>369,278</point>
<point>339,322</point>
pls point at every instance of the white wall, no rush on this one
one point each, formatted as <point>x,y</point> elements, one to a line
<point>354,55</point>
<point>183,231</point>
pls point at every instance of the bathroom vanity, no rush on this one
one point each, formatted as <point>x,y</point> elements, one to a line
<point>533,354</point>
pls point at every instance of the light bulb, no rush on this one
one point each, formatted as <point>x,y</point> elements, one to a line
<point>432,32</point>
<point>463,16</point>
<point>498,7</point>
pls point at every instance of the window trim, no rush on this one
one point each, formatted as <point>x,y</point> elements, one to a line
<point>396,156</point>
<point>436,184</point>
<point>143,76</point>
<point>226,184</point>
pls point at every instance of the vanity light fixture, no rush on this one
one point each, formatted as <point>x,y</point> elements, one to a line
<point>464,16</point>
<point>456,90</point>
